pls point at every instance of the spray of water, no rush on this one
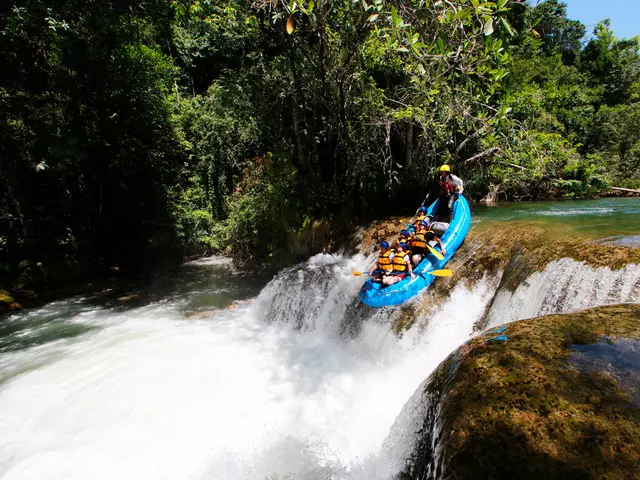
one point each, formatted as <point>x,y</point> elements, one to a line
<point>563,286</point>
<point>275,388</point>
<point>299,383</point>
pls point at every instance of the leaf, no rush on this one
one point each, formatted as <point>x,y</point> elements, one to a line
<point>394,16</point>
<point>403,49</point>
<point>488,26</point>
<point>535,32</point>
<point>290,25</point>
<point>310,6</point>
<point>506,25</point>
<point>373,17</point>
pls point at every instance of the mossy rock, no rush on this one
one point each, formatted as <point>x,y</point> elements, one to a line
<point>559,399</point>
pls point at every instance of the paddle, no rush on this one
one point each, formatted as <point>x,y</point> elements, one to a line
<point>436,254</point>
<point>441,273</point>
<point>437,273</point>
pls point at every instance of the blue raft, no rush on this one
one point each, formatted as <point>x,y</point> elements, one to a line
<point>375,295</point>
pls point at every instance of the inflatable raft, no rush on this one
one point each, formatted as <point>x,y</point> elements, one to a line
<point>377,295</point>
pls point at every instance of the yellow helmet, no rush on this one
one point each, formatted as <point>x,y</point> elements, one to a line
<point>445,168</point>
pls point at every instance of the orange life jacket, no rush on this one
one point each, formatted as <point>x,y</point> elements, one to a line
<point>419,241</point>
<point>384,262</point>
<point>399,264</point>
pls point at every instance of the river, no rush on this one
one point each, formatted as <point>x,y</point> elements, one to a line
<point>213,373</point>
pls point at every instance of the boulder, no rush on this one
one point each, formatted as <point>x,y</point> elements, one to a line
<point>554,397</point>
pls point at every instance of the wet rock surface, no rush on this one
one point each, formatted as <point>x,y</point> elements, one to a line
<point>554,397</point>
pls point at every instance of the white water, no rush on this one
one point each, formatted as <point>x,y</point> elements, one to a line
<point>249,393</point>
<point>564,286</point>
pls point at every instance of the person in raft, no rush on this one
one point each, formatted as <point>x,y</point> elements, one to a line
<point>405,237</point>
<point>450,187</point>
<point>422,216</point>
<point>384,264</point>
<point>420,241</point>
<point>401,265</point>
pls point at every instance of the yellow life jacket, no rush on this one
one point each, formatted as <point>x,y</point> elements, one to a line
<point>399,264</point>
<point>399,240</point>
<point>419,219</point>
<point>384,262</point>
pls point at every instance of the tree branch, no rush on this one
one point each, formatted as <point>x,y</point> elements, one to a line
<point>486,153</point>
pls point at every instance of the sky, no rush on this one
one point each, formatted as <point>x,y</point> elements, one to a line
<point>624,15</point>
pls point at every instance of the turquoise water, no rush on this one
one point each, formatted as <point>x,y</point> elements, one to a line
<point>614,219</point>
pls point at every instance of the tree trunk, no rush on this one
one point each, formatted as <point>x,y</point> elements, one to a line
<point>409,150</point>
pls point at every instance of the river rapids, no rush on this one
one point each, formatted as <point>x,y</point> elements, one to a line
<point>297,381</point>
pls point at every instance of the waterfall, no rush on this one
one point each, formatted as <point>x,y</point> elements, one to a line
<point>298,382</point>
<point>565,285</point>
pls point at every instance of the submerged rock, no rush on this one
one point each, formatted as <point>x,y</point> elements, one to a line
<point>555,397</point>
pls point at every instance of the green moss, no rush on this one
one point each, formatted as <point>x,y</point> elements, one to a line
<point>520,409</point>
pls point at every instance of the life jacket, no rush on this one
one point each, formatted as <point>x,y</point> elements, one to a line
<point>384,262</point>
<point>446,186</point>
<point>419,241</point>
<point>400,240</point>
<point>421,217</point>
<point>399,264</point>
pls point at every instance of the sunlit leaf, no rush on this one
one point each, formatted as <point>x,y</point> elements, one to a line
<point>507,26</point>
<point>488,26</point>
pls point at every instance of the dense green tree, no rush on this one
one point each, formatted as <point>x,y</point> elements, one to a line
<point>130,133</point>
<point>88,140</point>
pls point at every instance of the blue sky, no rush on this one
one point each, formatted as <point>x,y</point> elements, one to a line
<point>624,15</point>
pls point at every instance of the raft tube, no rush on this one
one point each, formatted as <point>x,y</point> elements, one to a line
<point>375,295</point>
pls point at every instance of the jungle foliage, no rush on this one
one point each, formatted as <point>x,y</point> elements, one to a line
<point>132,135</point>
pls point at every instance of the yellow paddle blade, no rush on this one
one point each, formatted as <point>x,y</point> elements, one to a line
<point>358,274</point>
<point>441,273</point>
<point>437,254</point>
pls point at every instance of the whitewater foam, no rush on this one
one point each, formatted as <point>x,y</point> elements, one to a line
<point>565,285</point>
<point>237,395</point>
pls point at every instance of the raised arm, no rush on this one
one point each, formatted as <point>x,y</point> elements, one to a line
<point>457,181</point>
